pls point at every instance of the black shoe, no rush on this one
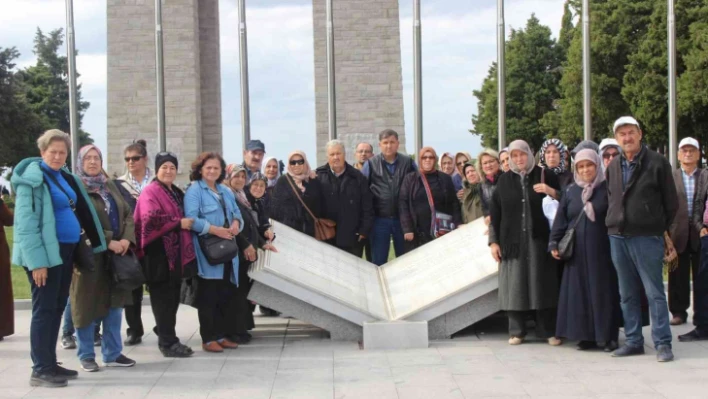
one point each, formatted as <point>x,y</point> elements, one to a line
<point>48,380</point>
<point>587,345</point>
<point>176,350</point>
<point>97,339</point>
<point>694,335</point>
<point>121,361</point>
<point>133,340</point>
<point>66,373</point>
<point>627,350</point>
<point>664,354</point>
<point>89,365</point>
<point>611,346</point>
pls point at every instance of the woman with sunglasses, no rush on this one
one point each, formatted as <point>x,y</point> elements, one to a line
<point>458,177</point>
<point>130,185</point>
<point>609,150</point>
<point>425,194</point>
<point>299,181</point>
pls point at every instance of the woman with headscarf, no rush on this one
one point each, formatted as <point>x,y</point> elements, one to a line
<point>447,164</point>
<point>461,158</point>
<point>248,240</point>
<point>271,170</point>
<point>504,159</point>
<point>472,196</point>
<point>299,181</point>
<point>94,299</point>
<point>518,239</point>
<point>489,170</point>
<point>554,158</point>
<point>425,194</point>
<point>589,302</point>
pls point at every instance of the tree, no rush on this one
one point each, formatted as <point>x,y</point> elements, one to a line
<point>568,29</point>
<point>693,82</point>
<point>19,125</point>
<point>47,85</point>
<point>532,71</point>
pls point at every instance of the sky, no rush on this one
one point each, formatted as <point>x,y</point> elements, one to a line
<point>458,47</point>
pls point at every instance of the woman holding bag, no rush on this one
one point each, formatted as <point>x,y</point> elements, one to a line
<point>299,183</point>
<point>216,217</point>
<point>93,297</point>
<point>425,195</point>
<point>589,303</point>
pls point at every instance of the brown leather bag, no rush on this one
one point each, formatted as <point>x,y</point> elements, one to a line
<point>325,229</point>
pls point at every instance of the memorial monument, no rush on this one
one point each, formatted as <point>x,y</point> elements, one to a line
<point>339,292</point>
<point>368,76</point>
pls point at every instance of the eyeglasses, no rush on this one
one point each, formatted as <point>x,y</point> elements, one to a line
<point>461,163</point>
<point>428,158</point>
<point>134,159</point>
<point>297,162</point>
<point>609,155</point>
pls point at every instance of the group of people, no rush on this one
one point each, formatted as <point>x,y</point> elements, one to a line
<point>618,200</point>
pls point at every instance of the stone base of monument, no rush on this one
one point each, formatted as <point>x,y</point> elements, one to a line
<point>395,335</point>
<point>338,328</point>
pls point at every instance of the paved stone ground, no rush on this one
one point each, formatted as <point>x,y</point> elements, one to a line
<point>290,359</point>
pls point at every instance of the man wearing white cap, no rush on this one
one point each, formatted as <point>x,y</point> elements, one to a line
<point>684,234</point>
<point>642,206</point>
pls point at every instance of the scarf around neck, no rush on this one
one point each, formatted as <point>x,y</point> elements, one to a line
<point>303,177</point>
<point>94,184</point>
<point>594,157</point>
<point>561,168</point>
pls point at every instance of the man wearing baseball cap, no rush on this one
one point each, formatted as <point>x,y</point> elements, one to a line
<point>642,206</point>
<point>253,157</point>
<point>684,234</point>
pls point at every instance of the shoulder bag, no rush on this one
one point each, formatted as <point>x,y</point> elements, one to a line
<point>83,254</point>
<point>441,222</point>
<point>566,246</point>
<point>217,250</point>
<point>325,229</point>
<point>126,271</point>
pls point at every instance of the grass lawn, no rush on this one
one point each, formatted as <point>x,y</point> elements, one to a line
<point>20,285</point>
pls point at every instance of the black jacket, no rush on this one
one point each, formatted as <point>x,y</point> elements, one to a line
<point>347,200</point>
<point>385,186</point>
<point>287,209</point>
<point>487,190</point>
<point>648,205</point>
<point>413,209</point>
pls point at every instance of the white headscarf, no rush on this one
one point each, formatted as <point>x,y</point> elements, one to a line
<point>521,145</point>
<point>271,182</point>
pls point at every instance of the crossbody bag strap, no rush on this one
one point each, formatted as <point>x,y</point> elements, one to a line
<point>577,220</point>
<point>430,202</point>
<point>297,194</point>
<point>223,208</point>
<point>72,204</point>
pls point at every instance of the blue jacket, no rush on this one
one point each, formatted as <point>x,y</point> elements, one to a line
<point>201,205</point>
<point>35,235</point>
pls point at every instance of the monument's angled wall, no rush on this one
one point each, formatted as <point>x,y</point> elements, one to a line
<point>368,71</point>
<point>192,98</point>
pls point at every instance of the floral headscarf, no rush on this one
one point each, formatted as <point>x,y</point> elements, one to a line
<point>594,157</point>
<point>231,171</point>
<point>562,150</point>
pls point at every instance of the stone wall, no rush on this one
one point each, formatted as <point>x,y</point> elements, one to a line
<point>192,99</point>
<point>369,86</point>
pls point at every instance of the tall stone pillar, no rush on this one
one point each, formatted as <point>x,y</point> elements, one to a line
<point>192,79</point>
<point>369,86</point>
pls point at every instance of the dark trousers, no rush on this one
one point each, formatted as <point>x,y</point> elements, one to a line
<point>700,290</point>
<point>545,323</point>
<point>215,301</point>
<point>680,283</point>
<point>164,299</point>
<point>384,229</point>
<point>361,248</point>
<point>48,303</point>
<point>133,314</point>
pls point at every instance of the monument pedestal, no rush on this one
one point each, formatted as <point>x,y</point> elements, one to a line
<point>396,335</point>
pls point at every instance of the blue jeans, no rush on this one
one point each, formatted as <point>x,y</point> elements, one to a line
<point>48,303</point>
<point>111,344</point>
<point>68,329</point>
<point>380,239</point>
<point>640,261</point>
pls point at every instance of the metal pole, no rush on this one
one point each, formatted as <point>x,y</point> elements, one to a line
<point>243,67</point>
<point>417,79</point>
<point>673,150</point>
<point>71,58</point>
<point>160,75</point>
<point>501,87</point>
<point>331,89</point>
<point>587,97</point>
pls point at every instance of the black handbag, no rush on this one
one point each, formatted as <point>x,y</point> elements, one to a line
<point>83,254</point>
<point>126,271</point>
<point>218,250</point>
<point>566,246</point>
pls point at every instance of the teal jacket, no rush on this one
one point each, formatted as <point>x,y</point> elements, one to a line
<point>35,234</point>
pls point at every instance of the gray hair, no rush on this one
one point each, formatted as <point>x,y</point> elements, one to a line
<point>46,139</point>
<point>333,143</point>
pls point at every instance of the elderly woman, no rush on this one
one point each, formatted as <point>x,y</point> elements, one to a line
<point>518,240</point>
<point>93,297</point>
<point>213,207</point>
<point>447,164</point>
<point>489,169</point>
<point>554,158</point>
<point>165,248</point>
<point>461,158</point>
<point>271,170</point>
<point>7,302</point>
<point>426,198</point>
<point>54,209</point>
<point>299,181</point>
<point>589,303</point>
<point>137,177</point>
<point>472,198</point>
<point>504,159</point>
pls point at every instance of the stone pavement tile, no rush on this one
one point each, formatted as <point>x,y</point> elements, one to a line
<point>461,353</point>
<point>414,357</point>
<point>477,365</point>
<point>423,376</point>
<point>557,389</point>
<point>311,383</point>
<point>245,392</point>
<point>182,385</point>
<point>629,396</point>
<point>361,359</point>
<point>198,364</point>
<point>475,386</point>
<point>248,366</point>
<point>543,373</point>
<point>76,389</point>
<point>695,387</point>
<point>436,392</point>
<point>612,382</point>
<point>379,389</point>
<point>359,374</point>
